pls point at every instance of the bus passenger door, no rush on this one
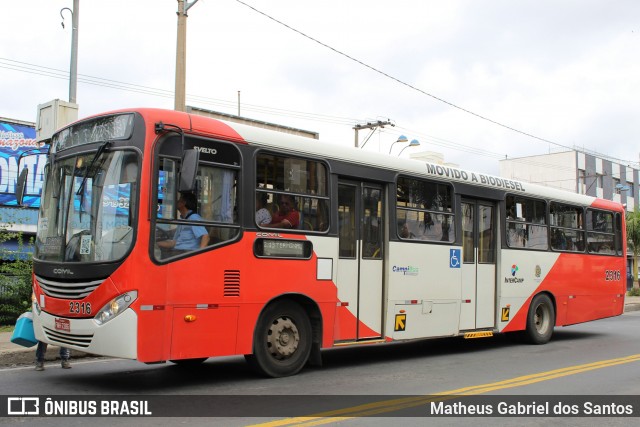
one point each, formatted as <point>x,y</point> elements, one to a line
<point>359,275</point>
<point>478,308</point>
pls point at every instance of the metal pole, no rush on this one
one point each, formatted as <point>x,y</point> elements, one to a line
<point>181,53</point>
<point>369,125</point>
<point>73,76</point>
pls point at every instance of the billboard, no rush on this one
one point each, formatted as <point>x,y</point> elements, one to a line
<point>16,139</point>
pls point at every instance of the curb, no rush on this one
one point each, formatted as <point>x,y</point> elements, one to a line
<point>14,356</point>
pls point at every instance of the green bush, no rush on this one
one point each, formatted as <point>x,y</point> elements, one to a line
<point>15,282</point>
<point>634,292</point>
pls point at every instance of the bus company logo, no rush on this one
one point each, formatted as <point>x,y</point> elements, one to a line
<point>513,278</point>
<point>406,271</point>
<point>206,150</point>
<point>538,271</point>
<point>514,270</point>
<point>272,235</point>
<point>23,406</point>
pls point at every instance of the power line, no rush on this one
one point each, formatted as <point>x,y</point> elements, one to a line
<point>25,67</point>
<point>397,79</point>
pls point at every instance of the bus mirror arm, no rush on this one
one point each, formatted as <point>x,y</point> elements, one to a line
<point>21,183</point>
<point>190,158</point>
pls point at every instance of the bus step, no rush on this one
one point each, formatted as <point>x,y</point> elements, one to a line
<point>360,342</point>
<point>479,334</point>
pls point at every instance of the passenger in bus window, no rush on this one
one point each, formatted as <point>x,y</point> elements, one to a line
<point>404,230</point>
<point>287,215</point>
<point>558,240</point>
<point>263,216</point>
<point>187,237</point>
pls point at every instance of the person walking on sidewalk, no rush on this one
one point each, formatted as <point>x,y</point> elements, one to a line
<point>41,350</point>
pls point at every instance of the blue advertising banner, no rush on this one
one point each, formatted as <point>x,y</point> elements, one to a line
<point>16,139</point>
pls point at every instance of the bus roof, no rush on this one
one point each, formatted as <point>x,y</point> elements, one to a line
<point>320,149</point>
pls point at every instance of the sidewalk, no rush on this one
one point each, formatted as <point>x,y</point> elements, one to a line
<point>12,355</point>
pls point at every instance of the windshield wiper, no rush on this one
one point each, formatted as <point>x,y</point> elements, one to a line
<point>103,147</point>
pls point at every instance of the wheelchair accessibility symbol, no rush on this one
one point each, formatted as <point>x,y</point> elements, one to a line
<point>454,258</point>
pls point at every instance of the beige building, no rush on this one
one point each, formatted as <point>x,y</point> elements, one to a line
<point>578,172</point>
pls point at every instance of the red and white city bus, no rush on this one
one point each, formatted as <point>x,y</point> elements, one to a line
<point>379,249</point>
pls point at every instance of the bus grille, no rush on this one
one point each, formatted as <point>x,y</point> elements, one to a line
<point>232,283</point>
<point>68,290</point>
<point>62,339</point>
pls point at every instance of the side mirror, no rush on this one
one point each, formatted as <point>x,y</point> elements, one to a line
<point>20,186</point>
<point>189,171</point>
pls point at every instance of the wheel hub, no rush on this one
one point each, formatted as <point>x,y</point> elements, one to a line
<point>283,338</point>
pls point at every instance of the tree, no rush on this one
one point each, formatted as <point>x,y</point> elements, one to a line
<point>15,279</point>
<point>633,238</point>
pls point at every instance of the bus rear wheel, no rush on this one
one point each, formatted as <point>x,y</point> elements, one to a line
<point>540,320</point>
<point>282,340</point>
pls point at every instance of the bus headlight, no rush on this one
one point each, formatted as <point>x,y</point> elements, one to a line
<point>115,307</point>
<point>34,302</point>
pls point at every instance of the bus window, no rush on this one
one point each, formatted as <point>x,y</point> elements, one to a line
<point>372,227</point>
<point>424,210</point>
<point>618,234</point>
<point>526,223</point>
<point>303,183</point>
<point>347,220</point>
<point>486,233</point>
<point>566,227</point>
<point>214,204</point>
<point>600,232</point>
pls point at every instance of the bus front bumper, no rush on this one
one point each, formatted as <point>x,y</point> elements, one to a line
<point>116,338</point>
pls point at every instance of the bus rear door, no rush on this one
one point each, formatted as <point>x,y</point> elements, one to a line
<point>360,229</point>
<point>478,265</point>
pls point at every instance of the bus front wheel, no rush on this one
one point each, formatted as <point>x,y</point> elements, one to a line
<point>540,320</point>
<point>282,340</point>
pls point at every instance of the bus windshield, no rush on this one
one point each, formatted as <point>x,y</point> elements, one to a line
<point>86,214</point>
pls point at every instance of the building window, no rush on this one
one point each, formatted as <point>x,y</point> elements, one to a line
<point>582,181</point>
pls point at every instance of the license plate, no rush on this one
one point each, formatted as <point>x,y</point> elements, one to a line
<point>63,325</point>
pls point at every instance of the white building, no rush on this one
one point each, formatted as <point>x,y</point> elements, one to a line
<point>578,172</point>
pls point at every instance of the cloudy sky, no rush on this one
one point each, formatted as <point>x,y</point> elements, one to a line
<point>474,80</point>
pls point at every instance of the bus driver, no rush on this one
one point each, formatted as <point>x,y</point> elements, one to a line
<point>187,237</point>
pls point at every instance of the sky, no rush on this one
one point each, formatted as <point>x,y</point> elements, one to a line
<point>477,81</point>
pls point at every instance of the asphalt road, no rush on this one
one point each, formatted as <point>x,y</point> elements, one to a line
<point>599,359</point>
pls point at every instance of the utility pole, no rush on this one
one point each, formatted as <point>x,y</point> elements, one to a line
<point>181,55</point>
<point>370,125</point>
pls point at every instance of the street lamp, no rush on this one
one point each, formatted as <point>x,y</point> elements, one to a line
<point>73,68</point>
<point>413,143</point>
<point>401,138</point>
<point>620,188</point>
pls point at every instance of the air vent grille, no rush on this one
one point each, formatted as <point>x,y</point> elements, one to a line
<point>232,283</point>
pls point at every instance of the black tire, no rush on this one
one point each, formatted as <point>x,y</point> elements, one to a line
<point>281,341</point>
<point>540,320</point>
